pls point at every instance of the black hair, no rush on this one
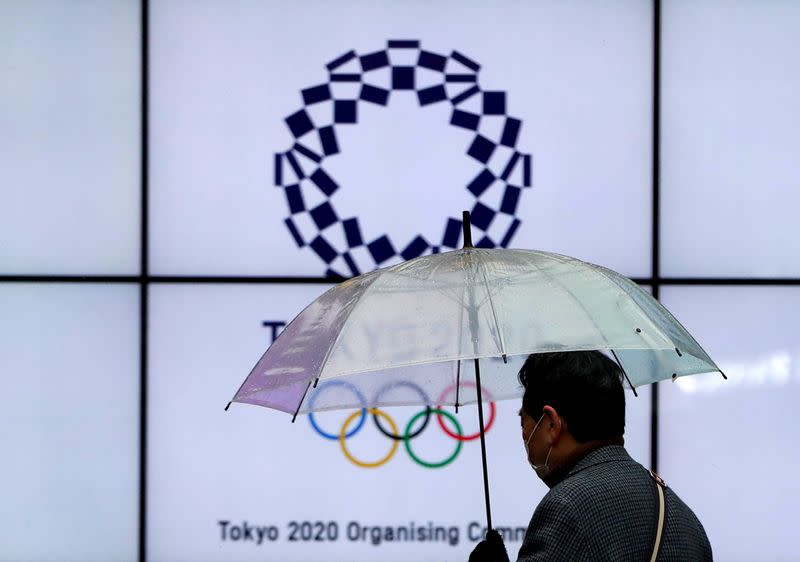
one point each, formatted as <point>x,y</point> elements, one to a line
<point>584,387</point>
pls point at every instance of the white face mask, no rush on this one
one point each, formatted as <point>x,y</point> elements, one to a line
<point>534,466</point>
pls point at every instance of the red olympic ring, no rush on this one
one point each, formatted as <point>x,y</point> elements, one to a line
<point>492,412</point>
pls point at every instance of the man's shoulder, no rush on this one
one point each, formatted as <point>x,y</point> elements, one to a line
<point>584,511</point>
<point>600,472</point>
<point>608,504</point>
<point>598,490</point>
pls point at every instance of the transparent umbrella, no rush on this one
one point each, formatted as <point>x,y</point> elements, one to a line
<point>457,326</point>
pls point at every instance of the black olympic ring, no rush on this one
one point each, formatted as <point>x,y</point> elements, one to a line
<point>416,388</point>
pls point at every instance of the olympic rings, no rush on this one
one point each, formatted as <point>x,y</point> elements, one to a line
<point>460,436</point>
<point>345,432</point>
<point>358,394</point>
<point>343,436</point>
<point>423,396</point>
<point>448,460</point>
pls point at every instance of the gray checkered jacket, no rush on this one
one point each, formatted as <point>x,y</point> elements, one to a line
<point>607,509</point>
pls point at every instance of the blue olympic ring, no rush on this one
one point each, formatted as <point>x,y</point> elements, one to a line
<point>355,391</point>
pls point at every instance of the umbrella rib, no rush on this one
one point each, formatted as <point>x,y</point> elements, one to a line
<point>252,392</point>
<point>294,417</point>
<point>344,322</point>
<point>328,351</point>
<point>458,380</point>
<point>633,388</point>
<point>672,316</point>
<point>611,280</point>
<point>494,312</point>
<point>462,308</point>
<point>576,299</point>
<point>442,288</point>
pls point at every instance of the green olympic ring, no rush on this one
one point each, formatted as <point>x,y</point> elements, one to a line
<point>407,440</point>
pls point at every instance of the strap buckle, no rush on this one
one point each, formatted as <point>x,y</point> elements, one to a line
<point>658,479</point>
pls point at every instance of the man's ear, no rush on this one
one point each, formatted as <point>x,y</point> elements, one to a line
<point>553,423</point>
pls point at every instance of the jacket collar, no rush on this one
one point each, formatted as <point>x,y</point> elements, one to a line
<point>604,454</point>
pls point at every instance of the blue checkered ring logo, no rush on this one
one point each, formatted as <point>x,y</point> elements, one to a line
<point>300,171</point>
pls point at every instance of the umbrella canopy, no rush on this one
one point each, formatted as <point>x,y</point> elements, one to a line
<point>420,324</point>
<point>439,329</point>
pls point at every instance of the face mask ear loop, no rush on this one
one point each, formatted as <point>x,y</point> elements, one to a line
<point>534,466</point>
<point>547,459</point>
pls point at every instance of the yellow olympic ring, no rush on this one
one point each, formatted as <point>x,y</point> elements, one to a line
<point>351,458</point>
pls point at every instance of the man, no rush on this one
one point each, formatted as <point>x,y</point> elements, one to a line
<point>602,505</point>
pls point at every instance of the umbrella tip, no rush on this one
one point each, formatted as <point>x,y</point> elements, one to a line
<point>465,223</point>
<point>505,359</point>
<point>228,406</point>
<point>724,376</point>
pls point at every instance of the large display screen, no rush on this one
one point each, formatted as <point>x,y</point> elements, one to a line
<point>69,365</point>
<point>292,139</point>
<point>70,108</point>
<point>247,484</point>
<point>716,434</point>
<point>729,139</point>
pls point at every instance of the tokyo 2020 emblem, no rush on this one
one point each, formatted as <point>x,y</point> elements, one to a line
<point>311,189</point>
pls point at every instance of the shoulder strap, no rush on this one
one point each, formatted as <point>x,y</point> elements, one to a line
<point>661,515</point>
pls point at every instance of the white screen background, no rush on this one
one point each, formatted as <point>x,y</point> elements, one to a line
<point>69,148</point>
<point>69,358</point>
<point>221,81</point>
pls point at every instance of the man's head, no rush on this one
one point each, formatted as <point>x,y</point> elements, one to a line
<point>577,399</point>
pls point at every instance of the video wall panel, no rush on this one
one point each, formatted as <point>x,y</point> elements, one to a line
<point>69,364</point>
<point>307,139</point>
<point>70,108</point>
<point>247,484</point>
<point>730,74</point>
<point>717,436</point>
<point>303,139</point>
